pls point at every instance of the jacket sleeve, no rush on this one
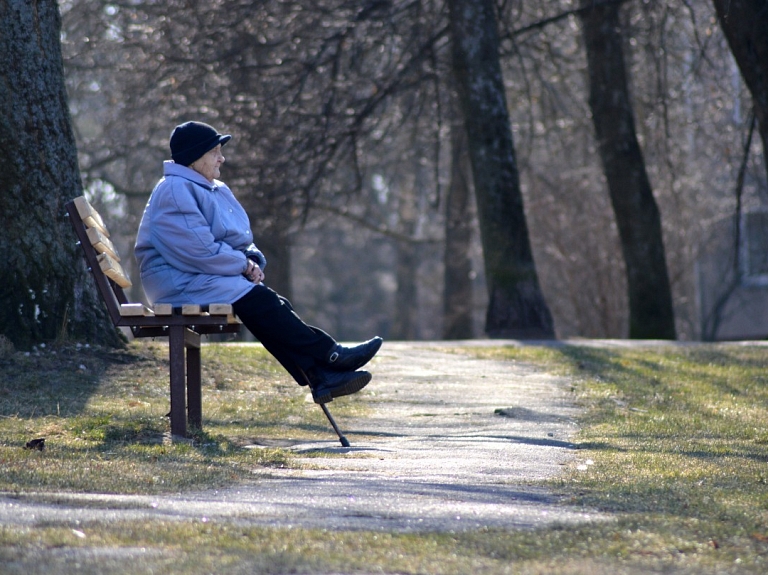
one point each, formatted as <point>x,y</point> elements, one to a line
<point>254,254</point>
<point>184,238</point>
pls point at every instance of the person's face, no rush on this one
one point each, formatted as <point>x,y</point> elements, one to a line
<point>209,164</point>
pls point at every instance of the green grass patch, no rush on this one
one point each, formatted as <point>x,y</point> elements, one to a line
<point>674,447</point>
<point>676,438</point>
<point>103,416</point>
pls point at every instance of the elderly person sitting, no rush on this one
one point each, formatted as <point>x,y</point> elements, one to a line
<point>194,246</point>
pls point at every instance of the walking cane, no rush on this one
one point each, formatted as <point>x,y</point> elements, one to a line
<point>344,442</point>
<point>342,439</point>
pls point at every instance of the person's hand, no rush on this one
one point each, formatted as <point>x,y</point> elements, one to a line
<point>254,273</point>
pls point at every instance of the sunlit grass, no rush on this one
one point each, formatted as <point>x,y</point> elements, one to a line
<point>677,438</point>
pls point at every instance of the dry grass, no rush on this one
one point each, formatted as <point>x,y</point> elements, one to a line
<point>103,416</point>
<point>677,440</point>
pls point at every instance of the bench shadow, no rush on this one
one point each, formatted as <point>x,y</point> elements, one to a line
<point>55,380</point>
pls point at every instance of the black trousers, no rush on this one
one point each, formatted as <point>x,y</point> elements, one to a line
<point>270,318</point>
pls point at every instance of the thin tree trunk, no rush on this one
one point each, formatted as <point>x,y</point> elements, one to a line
<point>277,249</point>
<point>404,323</point>
<point>637,215</point>
<point>135,207</point>
<point>516,305</point>
<point>45,293</point>
<point>270,224</point>
<point>457,290</point>
<point>745,24</point>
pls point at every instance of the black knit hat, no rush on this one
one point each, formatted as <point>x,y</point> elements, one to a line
<point>192,140</point>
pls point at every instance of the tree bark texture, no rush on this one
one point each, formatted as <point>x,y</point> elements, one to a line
<point>516,305</point>
<point>457,290</point>
<point>637,215</point>
<point>45,293</point>
<point>745,25</point>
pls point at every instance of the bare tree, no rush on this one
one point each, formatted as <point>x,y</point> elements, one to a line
<point>323,97</point>
<point>45,294</point>
<point>745,24</point>
<point>457,283</point>
<point>516,306</point>
<point>306,87</point>
<point>637,215</point>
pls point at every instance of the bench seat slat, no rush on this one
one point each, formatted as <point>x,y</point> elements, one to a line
<point>191,309</point>
<point>215,309</point>
<point>220,309</point>
<point>135,310</point>
<point>163,309</point>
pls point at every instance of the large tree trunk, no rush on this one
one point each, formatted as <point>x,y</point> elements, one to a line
<point>45,293</point>
<point>516,305</point>
<point>637,215</point>
<point>457,290</point>
<point>745,24</point>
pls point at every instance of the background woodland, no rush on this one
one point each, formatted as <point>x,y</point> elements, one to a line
<point>352,147</point>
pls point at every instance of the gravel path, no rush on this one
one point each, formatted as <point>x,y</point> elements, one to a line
<point>452,443</point>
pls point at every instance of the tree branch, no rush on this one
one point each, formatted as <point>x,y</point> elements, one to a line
<point>379,229</point>
<point>563,15</point>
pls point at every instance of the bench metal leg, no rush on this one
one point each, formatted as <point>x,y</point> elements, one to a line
<point>178,376</point>
<point>194,384</point>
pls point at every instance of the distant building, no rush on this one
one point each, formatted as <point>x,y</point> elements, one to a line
<point>732,279</point>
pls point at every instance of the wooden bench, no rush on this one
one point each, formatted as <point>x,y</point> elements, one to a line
<point>183,326</point>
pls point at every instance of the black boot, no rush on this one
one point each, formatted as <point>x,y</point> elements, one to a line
<point>353,358</point>
<point>326,384</point>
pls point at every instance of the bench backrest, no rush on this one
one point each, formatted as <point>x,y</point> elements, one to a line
<point>111,279</point>
<point>100,254</point>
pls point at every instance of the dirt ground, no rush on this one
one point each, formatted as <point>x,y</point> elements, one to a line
<point>452,443</point>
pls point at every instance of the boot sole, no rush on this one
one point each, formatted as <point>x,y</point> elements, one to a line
<point>352,386</point>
